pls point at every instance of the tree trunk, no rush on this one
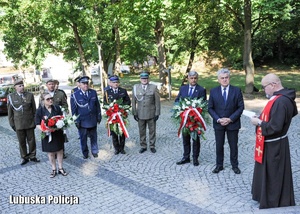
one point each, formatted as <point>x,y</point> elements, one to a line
<point>81,51</point>
<point>118,49</point>
<point>247,58</point>
<point>159,36</point>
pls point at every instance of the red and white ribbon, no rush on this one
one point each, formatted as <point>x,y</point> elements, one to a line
<point>184,116</point>
<point>117,116</point>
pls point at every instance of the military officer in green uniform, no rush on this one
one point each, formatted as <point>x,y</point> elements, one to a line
<point>21,112</point>
<point>146,110</point>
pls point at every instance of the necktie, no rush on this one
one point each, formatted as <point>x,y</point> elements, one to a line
<point>144,87</point>
<point>115,91</point>
<point>224,95</point>
<point>191,91</point>
<point>86,94</point>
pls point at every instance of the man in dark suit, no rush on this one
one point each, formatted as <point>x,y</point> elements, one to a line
<point>192,90</point>
<point>226,105</point>
<point>116,93</point>
<point>21,111</point>
<point>85,103</point>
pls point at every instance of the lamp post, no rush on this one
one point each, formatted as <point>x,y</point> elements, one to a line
<point>99,43</point>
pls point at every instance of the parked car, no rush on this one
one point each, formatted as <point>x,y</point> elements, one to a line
<point>124,69</point>
<point>4,91</point>
<point>95,70</point>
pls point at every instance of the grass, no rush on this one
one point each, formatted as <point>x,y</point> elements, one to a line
<point>290,78</point>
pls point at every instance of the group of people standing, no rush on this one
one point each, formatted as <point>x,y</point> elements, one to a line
<point>272,180</point>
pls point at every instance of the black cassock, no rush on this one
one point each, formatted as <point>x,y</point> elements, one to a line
<point>272,184</point>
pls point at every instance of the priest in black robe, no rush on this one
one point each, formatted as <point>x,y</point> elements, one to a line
<point>272,184</point>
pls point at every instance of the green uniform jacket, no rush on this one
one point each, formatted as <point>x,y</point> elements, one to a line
<point>21,111</point>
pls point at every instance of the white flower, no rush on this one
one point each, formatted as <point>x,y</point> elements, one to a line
<point>188,102</point>
<point>60,124</point>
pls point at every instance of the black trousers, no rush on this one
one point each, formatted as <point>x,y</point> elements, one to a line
<point>187,146</point>
<point>232,137</point>
<point>118,141</point>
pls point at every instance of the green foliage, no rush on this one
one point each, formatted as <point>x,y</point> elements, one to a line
<point>32,29</point>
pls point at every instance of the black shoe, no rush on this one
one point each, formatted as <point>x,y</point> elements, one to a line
<point>236,170</point>
<point>153,150</point>
<point>123,152</point>
<point>35,160</point>
<point>183,161</point>
<point>53,173</point>
<point>62,172</point>
<point>218,169</point>
<point>196,162</point>
<point>24,161</point>
<point>142,150</point>
<point>117,152</point>
<point>85,157</point>
<point>95,155</point>
<point>65,156</point>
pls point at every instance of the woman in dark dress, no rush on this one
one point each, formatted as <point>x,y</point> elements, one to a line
<point>55,146</point>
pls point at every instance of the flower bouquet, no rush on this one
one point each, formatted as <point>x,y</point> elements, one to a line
<point>54,123</point>
<point>192,115</point>
<point>117,117</point>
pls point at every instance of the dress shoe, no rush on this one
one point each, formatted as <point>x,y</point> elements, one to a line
<point>35,160</point>
<point>123,152</point>
<point>85,157</point>
<point>153,150</point>
<point>236,170</point>
<point>196,162</point>
<point>142,150</point>
<point>218,169</point>
<point>24,161</point>
<point>95,155</point>
<point>183,161</point>
<point>117,152</point>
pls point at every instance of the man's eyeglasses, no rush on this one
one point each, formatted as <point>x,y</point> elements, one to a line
<point>50,98</point>
<point>264,86</point>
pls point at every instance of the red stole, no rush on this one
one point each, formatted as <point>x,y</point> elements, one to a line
<point>260,139</point>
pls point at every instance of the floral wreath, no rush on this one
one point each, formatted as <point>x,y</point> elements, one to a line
<point>117,117</point>
<point>192,115</point>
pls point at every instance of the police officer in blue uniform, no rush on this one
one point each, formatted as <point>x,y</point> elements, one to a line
<point>76,80</point>
<point>116,93</point>
<point>85,103</point>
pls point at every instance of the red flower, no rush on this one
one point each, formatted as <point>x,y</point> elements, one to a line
<point>51,122</point>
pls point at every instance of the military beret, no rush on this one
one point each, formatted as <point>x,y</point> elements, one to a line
<point>20,82</point>
<point>144,75</point>
<point>114,79</point>
<point>83,79</point>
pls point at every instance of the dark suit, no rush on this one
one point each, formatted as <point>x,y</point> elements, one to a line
<point>233,108</point>
<point>198,92</point>
<point>110,96</point>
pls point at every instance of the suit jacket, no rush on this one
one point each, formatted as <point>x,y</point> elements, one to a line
<point>198,92</point>
<point>110,96</point>
<point>145,104</point>
<point>21,111</point>
<point>87,107</point>
<point>233,108</point>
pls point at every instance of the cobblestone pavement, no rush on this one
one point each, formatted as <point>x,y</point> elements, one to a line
<point>138,183</point>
